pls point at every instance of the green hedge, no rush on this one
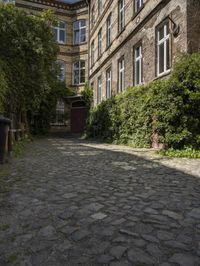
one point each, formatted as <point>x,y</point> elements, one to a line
<point>170,108</point>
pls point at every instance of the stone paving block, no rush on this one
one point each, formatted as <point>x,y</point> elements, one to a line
<point>89,211</point>
<point>183,259</point>
<point>99,216</point>
<point>118,251</point>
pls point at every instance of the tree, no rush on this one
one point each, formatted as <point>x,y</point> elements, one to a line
<point>29,52</point>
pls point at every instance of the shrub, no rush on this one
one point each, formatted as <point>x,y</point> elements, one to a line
<point>169,108</point>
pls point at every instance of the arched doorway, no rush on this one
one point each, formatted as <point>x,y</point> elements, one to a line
<point>78,117</point>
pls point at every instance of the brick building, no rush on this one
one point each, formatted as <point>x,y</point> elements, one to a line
<point>115,44</point>
<point>71,34</point>
<point>133,42</point>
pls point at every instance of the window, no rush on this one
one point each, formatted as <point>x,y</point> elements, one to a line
<point>121,75</point>
<point>99,90</point>
<point>108,31</point>
<point>93,16</point>
<point>138,5</point>
<point>100,43</point>
<point>79,31</point>
<point>108,83</point>
<point>100,7</point>
<point>163,49</point>
<point>92,53</point>
<point>62,66</point>
<point>60,32</point>
<point>79,73</point>
<point>121,7</point>
<point>138,65</point>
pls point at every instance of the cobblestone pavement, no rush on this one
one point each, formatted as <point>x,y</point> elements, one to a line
<point>70,202</point>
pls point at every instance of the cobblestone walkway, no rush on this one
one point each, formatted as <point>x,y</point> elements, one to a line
<point>69,202</point>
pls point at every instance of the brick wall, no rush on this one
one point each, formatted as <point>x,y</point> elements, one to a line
<point>141,28</point>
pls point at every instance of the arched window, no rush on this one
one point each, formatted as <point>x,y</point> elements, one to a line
<point>79,31</point>
<point>79,73</point>
<point>60,32</point>
<point>62,73</point>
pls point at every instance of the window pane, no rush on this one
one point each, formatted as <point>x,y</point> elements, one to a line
<point>137,52</point>
<point>167,28</point>
<point>83,35</point>
<point>82,76</point>
<point>62,36</point>
<point>161,33</point>
<point>167,55</point>
<point>137,81</point>
<point>76,25</point>
<point>76,77</point>
<point>82,64</point>
<point>76,65</point>
<point>161,58</point>
<point>76,37</point>
<point>83,23</point>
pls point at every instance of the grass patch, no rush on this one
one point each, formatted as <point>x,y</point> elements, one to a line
<point>185,153</point>
<point>19,146</point>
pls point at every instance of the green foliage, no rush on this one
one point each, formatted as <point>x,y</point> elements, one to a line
<point>87,95</point>
<point>3,87</point>
<point>185,153</point>
<point>19,146</point>
<point>29,53</point>
<point>169,108</point>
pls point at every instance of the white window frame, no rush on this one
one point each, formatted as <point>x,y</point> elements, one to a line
<point>108,83</point>
<point>62,65</point>
<point>164,40</point>
<point>80,28</point>
<point>121,74</point>
<point>121,15</point>
<point>79,72</point>
<point>108,29</point>
<point>99,90</point>
<point>138,59</point>
<point>137,8</point>
<point>100,42</point>
<point>58,30</point>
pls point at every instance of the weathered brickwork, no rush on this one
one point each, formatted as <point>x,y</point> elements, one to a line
<point>138,28</point>
<point>141,27</point>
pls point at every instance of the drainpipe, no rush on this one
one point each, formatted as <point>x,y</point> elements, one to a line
<point>88,4</point>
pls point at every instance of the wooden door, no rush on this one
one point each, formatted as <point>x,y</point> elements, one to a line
<point>78,120</point>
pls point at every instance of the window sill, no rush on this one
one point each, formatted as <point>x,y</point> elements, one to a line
<point>162,75</point>
<point>61,43</point>
<point>120,32</point>
<point>79,44</point>
<point>78,85</point>
<point>109,46</point>
<point>99,57</point>
<point>136,13</point>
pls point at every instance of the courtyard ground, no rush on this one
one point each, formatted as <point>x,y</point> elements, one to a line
<point>72,202</point>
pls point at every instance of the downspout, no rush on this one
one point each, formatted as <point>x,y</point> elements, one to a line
<point>87,2</point>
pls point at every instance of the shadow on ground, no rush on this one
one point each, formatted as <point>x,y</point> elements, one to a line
<point>64,202</point>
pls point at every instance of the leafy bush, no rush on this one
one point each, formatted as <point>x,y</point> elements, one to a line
<point>3,87</point>
<point>170,109</point>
